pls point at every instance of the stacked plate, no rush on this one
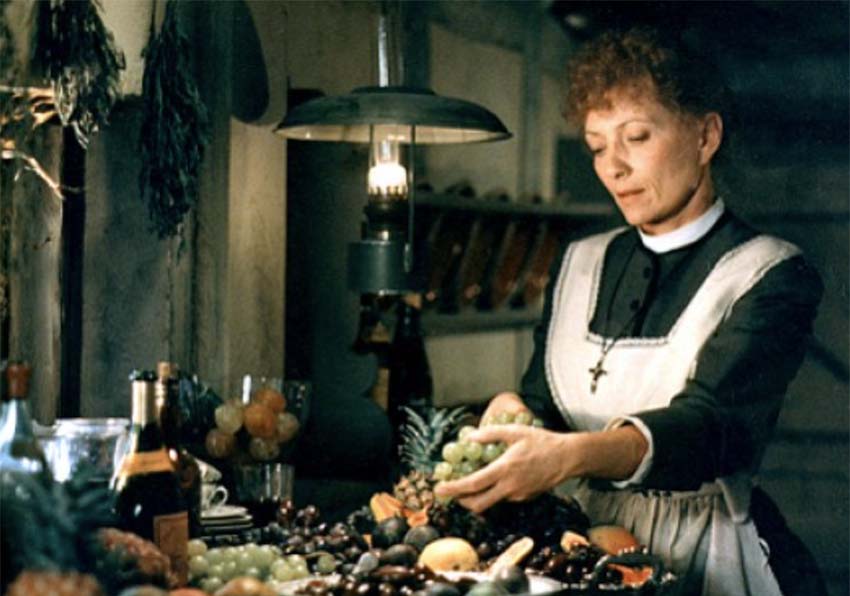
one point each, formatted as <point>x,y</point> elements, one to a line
<point>226,519</point>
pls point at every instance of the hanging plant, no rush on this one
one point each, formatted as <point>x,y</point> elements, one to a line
<point>22,109</point>
<point>78,55</point>
<point>174,127</point>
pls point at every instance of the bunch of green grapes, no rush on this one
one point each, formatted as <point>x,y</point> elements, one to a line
<point>463,457</point>
<point>211,568</point>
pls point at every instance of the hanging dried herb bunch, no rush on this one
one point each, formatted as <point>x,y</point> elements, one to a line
<point>174,127</point>
<point>76,52</point>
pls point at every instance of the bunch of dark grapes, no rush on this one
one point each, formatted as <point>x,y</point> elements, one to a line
<point>544,519</point>
<point>302,532</point>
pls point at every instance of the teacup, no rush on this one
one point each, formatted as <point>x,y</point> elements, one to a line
<point>213,495</point>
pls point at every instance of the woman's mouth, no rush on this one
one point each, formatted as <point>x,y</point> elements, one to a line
<point>625,195</point>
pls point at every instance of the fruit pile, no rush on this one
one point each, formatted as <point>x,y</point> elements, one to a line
<point>259,428</point>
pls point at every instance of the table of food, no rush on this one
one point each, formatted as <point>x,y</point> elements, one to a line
<point>406,542</point>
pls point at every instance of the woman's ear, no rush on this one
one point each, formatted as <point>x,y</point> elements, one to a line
<point>711,136</point>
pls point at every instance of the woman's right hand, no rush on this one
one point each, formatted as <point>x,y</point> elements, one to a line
<point>507,401</point>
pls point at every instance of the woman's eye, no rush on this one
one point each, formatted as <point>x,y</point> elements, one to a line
<point>596,150</point>
<point>639,137</point>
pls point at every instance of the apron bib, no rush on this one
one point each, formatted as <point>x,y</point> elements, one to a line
<point>706,536</point>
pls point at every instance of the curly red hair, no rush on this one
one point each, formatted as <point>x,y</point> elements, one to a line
<point>642,63</point>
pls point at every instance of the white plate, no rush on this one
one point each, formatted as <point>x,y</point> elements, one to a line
<point>224,511</point>
<point>537,584</point>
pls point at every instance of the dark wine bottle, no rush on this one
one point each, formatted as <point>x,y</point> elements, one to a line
<point>411,384</point>
<point>373,337</point>
<point>19,448</point>
<point>167,392</point>
<point>149,501</point>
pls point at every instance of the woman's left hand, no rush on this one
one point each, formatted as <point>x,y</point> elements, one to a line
<point>535,461</point>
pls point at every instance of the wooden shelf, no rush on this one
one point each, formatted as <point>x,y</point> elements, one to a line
<point>438,324</point>
<point>515,208</point>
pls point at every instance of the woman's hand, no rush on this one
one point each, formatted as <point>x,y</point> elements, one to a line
<point>537,460</point>
<point>504,402</point>
<point>534,462</point>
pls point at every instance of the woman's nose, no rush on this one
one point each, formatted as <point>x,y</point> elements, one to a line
<point>616,166</point>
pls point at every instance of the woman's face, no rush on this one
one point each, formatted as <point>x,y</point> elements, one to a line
<point>653,161</point>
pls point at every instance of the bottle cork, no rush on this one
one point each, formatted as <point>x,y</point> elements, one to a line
<point>18,378</point>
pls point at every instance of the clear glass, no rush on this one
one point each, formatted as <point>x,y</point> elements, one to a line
<point>100,443</point>
<point>387,175</point>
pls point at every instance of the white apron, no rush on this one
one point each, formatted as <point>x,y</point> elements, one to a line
<point>705,536</point>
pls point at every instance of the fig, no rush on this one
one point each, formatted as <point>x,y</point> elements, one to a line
<point>389,531</point>
<point>399,554</point>
<point>420,536</point>
<point>512,578</point>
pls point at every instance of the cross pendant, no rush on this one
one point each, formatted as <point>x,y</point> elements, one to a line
<point>596,372</point>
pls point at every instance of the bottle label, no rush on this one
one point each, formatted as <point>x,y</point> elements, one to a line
<point>171,536</point>
<point>146,462</point>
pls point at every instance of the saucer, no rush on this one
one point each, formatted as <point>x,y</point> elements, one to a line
<point>224,511</point>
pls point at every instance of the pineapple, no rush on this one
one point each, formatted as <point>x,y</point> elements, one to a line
<point>421,444</point>
<point>54,538</point>
<point>45,531</point>
<point>54,583</point>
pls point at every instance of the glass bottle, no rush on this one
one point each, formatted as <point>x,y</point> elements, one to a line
<point>20,451</point>
<point>411,384</point>
<point>171,421</point>
<point>373,337</point>
<point>149,501</point>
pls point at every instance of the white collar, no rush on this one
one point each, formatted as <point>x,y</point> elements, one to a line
<point>685,235</point>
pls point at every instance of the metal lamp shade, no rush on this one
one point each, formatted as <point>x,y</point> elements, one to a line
<point>437,120</point>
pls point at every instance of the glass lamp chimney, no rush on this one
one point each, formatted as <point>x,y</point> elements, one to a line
<point>387,176</point>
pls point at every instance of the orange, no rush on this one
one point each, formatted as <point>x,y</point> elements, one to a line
<point>271,399</point>
<point>260,421</point>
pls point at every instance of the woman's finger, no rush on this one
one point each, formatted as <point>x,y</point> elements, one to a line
<point>506,433</point>
<point>484,500</point>
<point>474,483</point>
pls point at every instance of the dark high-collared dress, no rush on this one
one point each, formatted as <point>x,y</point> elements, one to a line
<point>709,336</point>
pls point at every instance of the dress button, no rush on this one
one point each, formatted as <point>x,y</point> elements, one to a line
<point>647,272</point>
<point>634,304</point>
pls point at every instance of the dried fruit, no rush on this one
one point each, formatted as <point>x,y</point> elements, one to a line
<point>570,540</point>
<point>514,554</point>
<point>612,539</point>
<point>383,506</point>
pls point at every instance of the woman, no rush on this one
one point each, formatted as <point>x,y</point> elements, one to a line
<point>666,347</point>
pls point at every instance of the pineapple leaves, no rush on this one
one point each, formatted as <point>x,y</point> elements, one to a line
<point>424,434</point>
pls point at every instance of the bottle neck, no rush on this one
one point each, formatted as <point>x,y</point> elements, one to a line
<point>145,431</point>
<point>15,422</point>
